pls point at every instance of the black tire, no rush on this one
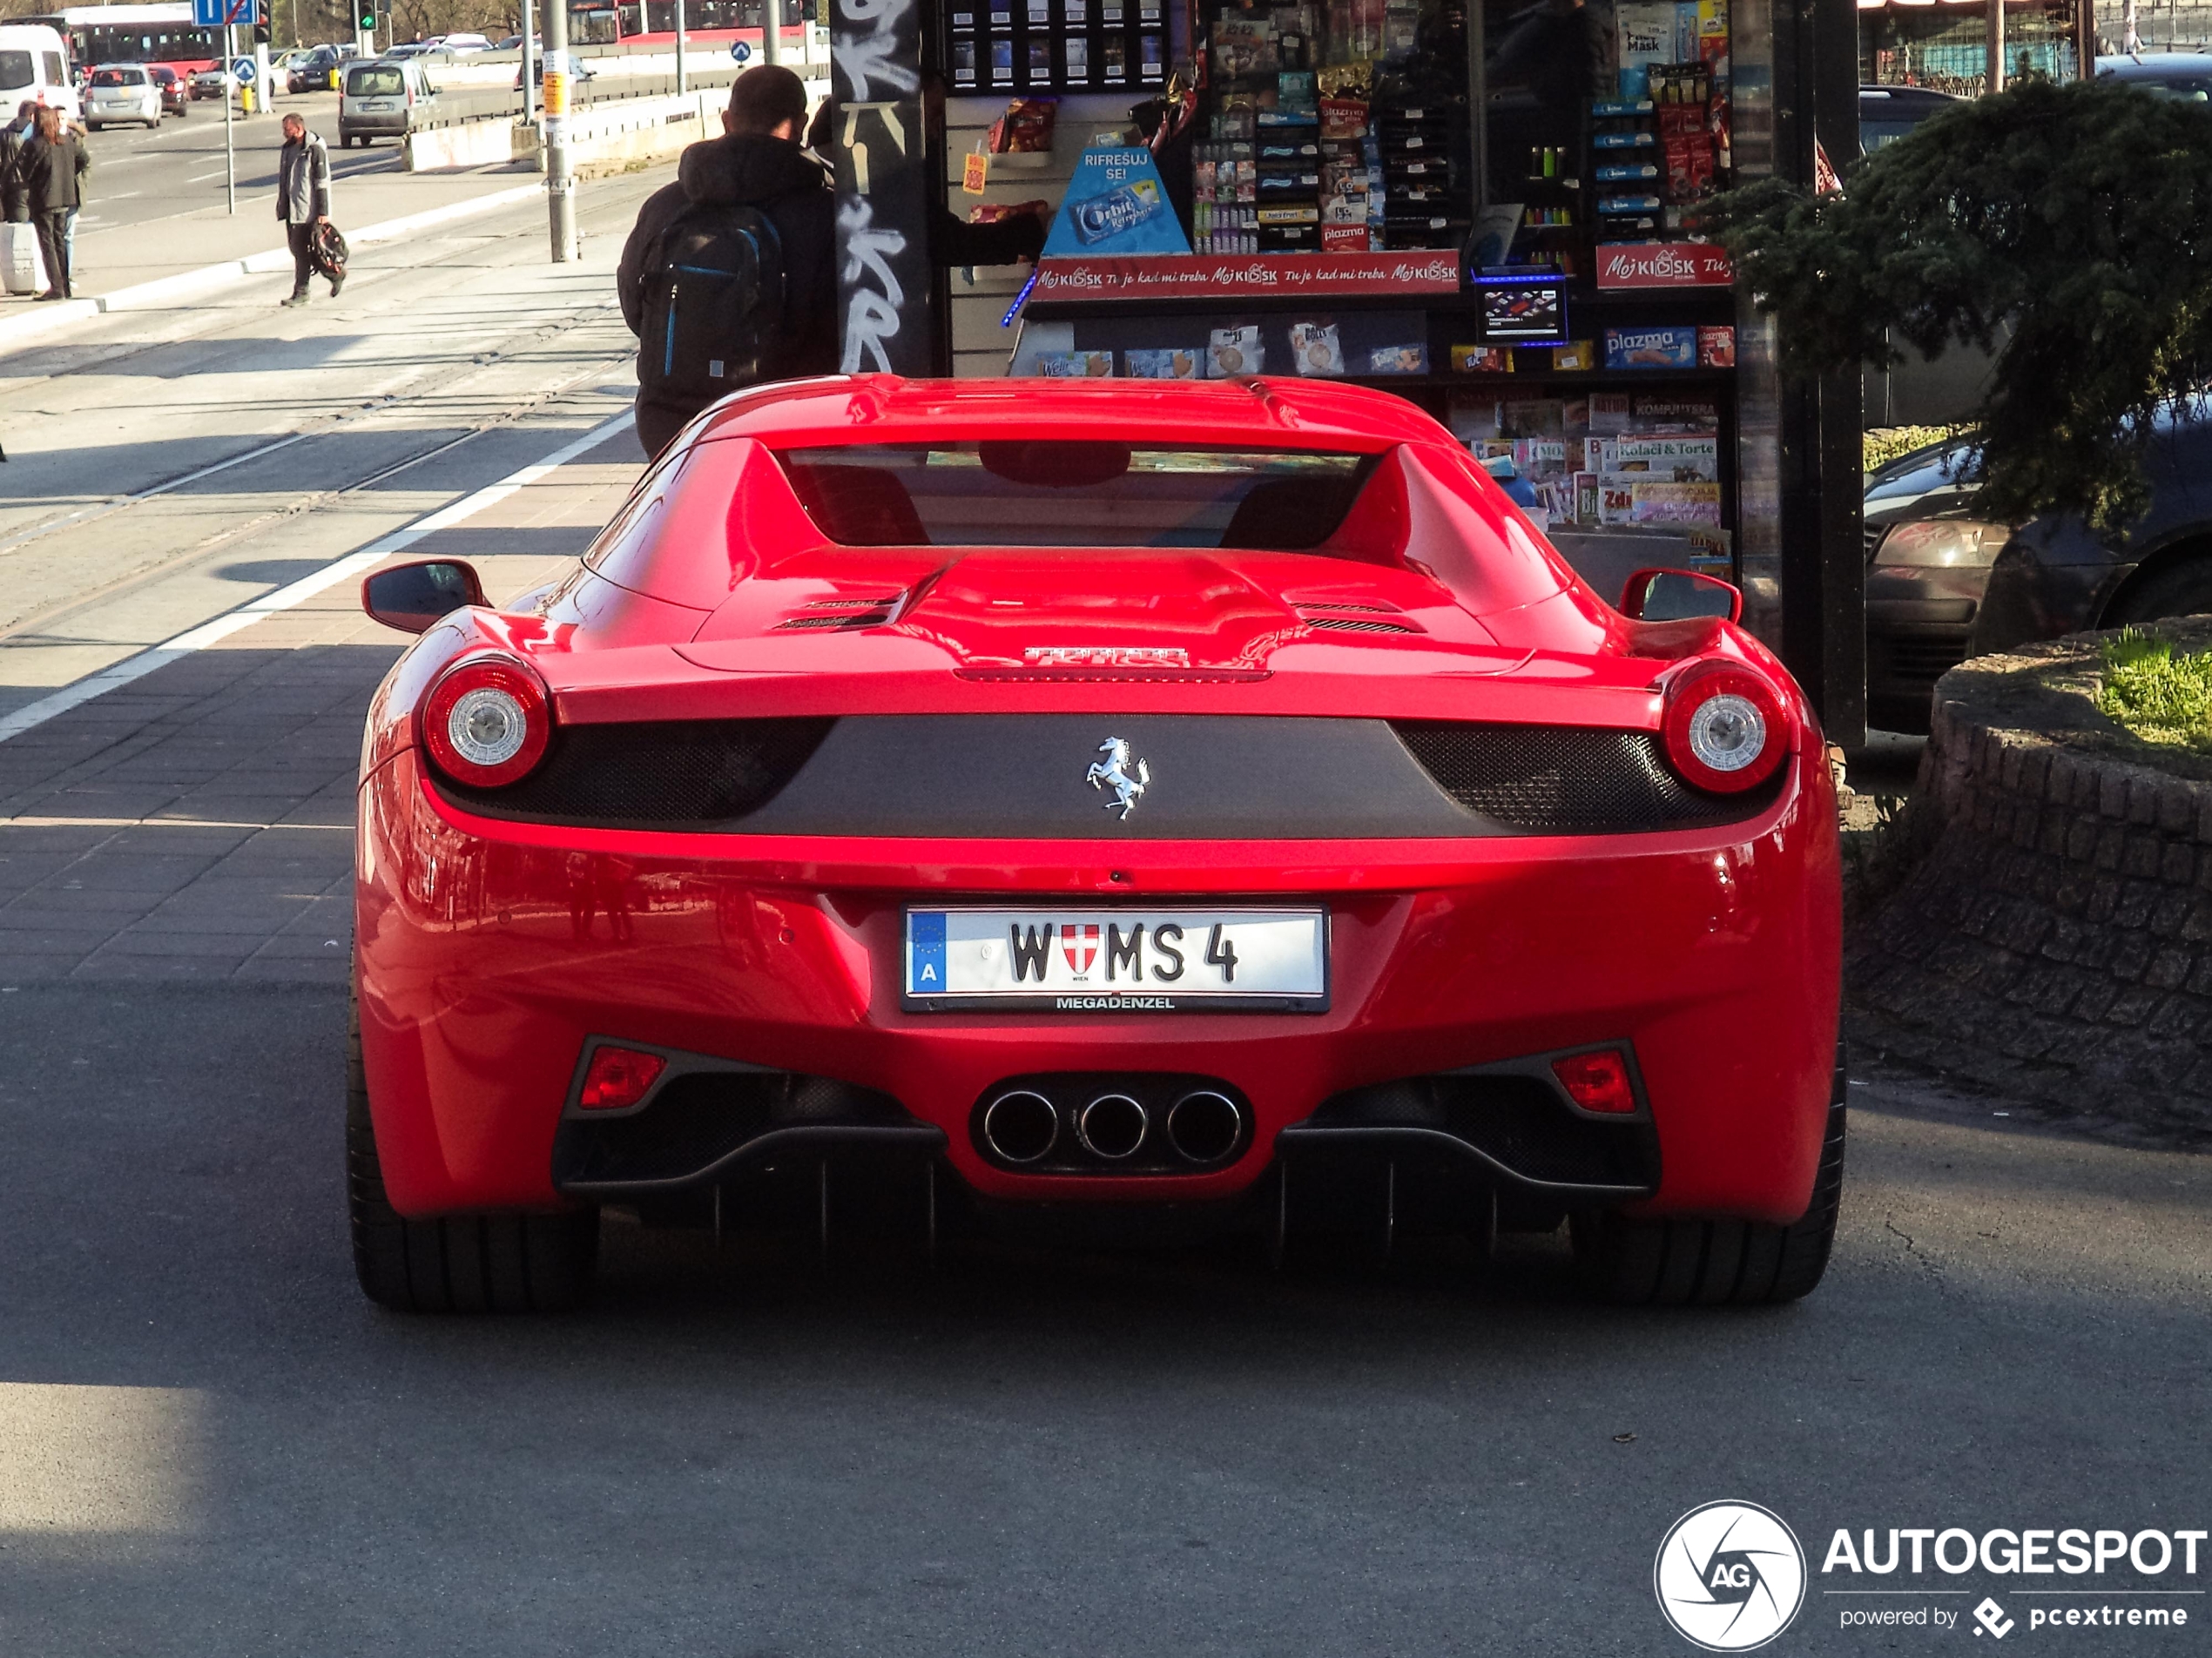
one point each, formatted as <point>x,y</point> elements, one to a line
<point>2183,588</point>
<point>511,1262</point>
<point>1719,1262</point>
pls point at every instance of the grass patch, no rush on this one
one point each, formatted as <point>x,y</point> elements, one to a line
<point>2160,697</point>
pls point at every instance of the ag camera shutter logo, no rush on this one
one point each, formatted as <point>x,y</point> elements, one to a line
<point>1729,1576</point>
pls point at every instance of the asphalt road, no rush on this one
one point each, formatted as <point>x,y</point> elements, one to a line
<point>215,1444</point>
<point>143,176</point>
<point>209,1443</point>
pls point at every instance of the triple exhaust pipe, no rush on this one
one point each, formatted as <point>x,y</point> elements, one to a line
<point>1022,1126</point>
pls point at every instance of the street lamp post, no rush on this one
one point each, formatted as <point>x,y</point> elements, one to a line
<point>230,144</point>
<point>679,48</point>
<point>771,31</point>
<point>559,188</point>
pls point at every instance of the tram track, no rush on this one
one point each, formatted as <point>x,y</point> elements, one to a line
<point>468,341</point>
<point>438,383</point>
<point>40,622</point>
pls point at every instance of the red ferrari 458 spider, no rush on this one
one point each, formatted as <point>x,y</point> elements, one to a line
<point>1117,806</point>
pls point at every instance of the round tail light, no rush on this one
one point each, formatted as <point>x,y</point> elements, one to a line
<point>1726,729</point>
<point>486,722</point>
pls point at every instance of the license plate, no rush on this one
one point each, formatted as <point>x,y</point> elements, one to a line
<point>1116,961</point>
<point>378,108</point>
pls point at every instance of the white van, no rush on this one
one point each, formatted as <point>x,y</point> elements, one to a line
<point>382,99</point>
<point>34,65</point>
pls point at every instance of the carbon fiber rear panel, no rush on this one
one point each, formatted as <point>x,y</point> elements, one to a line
<point>1038,777</point>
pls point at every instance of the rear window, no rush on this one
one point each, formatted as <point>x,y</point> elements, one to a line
<point>16,70</point>
<point>375,81</point>
<point>1026,493</point>
<point>119,78</point>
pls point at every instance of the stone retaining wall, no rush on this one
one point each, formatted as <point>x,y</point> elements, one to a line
<point>2055,937</point>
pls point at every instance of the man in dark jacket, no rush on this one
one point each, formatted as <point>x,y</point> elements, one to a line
<point>303,202</point>
<point>52,165</point>
<point>756,163</point>
<point>14,139</point>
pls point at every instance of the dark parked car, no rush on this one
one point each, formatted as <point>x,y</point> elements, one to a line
<point>176,97</point>
<point>1942,585</point>
<point>316,72</point>
<point>1887,113</point>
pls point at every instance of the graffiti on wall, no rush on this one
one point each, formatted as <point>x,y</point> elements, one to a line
<point>883,276</point>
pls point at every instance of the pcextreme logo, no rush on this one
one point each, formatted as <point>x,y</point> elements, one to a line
<point>1729,1576</point>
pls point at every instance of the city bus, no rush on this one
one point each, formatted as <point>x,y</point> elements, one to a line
<point>709,25</point>
<point>162,33</point>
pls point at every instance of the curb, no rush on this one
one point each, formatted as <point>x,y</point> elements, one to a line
<point>2056,931</point>
<point>166,289</point>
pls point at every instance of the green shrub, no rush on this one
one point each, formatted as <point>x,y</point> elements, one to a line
<point>1885,443</point>
<point>2159,697</point>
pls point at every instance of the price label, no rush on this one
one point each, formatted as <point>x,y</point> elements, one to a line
<point>975,174</point>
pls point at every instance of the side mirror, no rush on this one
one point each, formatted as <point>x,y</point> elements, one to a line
<point>414,596</point>
<point>1679,596</point>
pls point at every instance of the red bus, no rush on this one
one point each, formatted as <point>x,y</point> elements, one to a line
<point>162,33</point>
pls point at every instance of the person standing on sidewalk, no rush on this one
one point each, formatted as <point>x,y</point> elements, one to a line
<point>303,202</point>
<point>52,163</point>
<point>14,139</point>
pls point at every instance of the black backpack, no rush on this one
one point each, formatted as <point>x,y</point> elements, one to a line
<point>714,300</point>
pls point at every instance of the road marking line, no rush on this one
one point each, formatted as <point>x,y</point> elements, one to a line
<point>162,822</point>
<point>284,598</point>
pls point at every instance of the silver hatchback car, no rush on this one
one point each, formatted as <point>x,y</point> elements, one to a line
<point>121,92</point>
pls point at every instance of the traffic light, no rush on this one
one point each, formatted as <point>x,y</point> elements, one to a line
<point>261,36</point>
<point>365,14</point>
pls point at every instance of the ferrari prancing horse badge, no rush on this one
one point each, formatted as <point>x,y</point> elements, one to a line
<point>1127,778</point>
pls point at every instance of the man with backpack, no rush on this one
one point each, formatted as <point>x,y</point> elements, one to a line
<point>730,276</point>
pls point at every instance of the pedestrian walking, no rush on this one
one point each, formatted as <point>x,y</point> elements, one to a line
<point>303,203</point>
<point>730,275</point>
<point>14,139</point>
<point>53,163</point>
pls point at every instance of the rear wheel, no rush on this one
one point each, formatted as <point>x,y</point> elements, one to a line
<point>1720,1262</point>
<point>455,1262</point>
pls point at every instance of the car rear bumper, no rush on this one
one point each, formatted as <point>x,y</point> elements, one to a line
<point>491,953</point>
<point>374,126</point>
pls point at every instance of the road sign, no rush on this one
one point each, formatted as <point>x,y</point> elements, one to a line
<point>243,68</point>
<point>214,14</point>
<point>738,50</point>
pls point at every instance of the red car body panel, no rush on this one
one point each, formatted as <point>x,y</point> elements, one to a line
<point>490,949</point>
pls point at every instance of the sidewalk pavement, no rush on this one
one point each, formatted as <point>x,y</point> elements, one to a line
<point>125,256</point>
<point>196,823</point>
<point>121,260</point>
